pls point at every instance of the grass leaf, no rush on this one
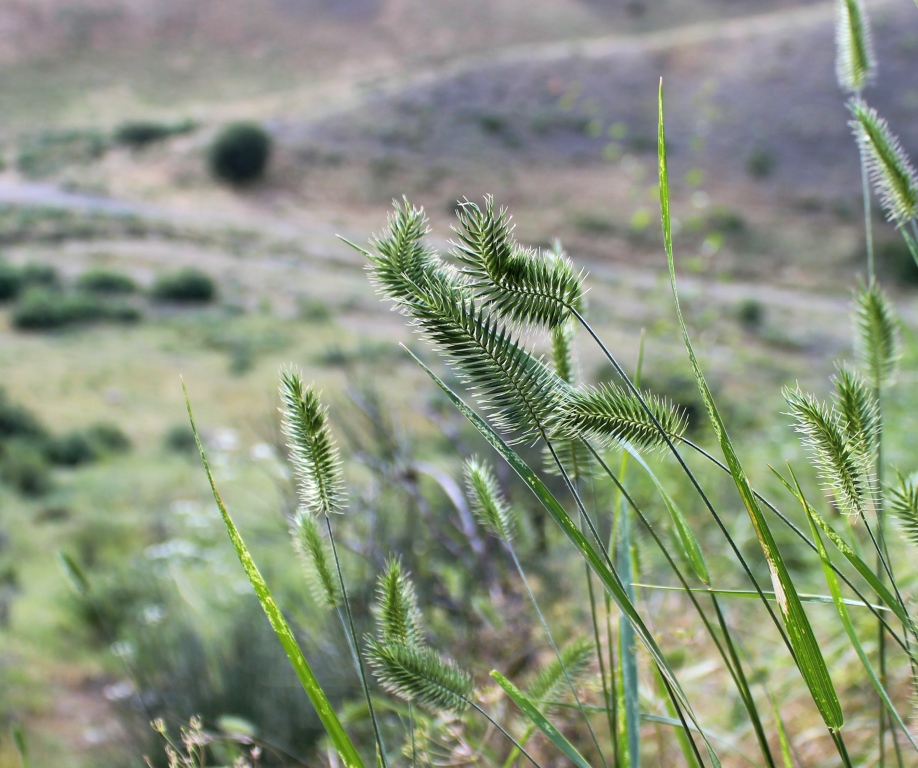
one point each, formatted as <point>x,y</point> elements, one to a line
<point>806,649</point>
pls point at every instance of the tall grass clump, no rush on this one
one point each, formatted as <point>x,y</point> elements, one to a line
<point>795,664</point>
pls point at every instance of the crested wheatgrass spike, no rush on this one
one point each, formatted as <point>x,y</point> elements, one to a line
<point>520,284</point>
<point>404,268</point>
<point>312,450</point>
<point>836,459</point>
<point>903,503</point>
<point>520,390</point>
<point>615,415</point>
<point>876,338</point>
<point>855,64</point>
<point>550,681</point>
<point>859,414</point>
<point>890,169</point>
<point>398,619</point>
<point>421,676</point>
<point>316,559</point>
<point>493,512</point>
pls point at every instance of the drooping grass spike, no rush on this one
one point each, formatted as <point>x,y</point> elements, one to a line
<point>317,560</point>
<point>876,338</point>
<point>614,414</point>
<point>398,618</point>
<point>490,507</point>
<point>404,268</point>
<point>837,460</point>
<point>550,682</point>
<point>520,390</point>
<point>858,413</point>
<point>855,64</point>
<point>520,284</point>
<point>890,168</point>
<point>902,499</point>
<point>312,449</point>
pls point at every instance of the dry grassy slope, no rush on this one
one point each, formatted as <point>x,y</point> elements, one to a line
<point>324,33</point>
<point>764,84</point>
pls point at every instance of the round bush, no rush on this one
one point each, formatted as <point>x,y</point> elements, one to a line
<point>23,467</point>
<point>187,285</point>
<point>10,281</point>
<point>71,450</point>
<point>240,153</point>
<point>104,281</point>
<point>40,310</point>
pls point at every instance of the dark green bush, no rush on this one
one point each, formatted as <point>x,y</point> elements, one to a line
<point>71,450</point>
<point>41,309</point>
<point>14,280</point>
<point>239,153</point>
<point>108,438</point>
<point>105,281</point>
<point>10,281</point>
<point>38,310</point>
<point>895,262</point>
<point>751,313</point>
<point>18,421</point>
<point>85,446</point>
<point>761,163</point>
<point>23,467</point>
<point>188,285</point>
<point>143,132</point>
<point>180,439</point>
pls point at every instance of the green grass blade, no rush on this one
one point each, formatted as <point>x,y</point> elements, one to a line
<point>74,574</point>
<point>689,542</point>
<point>609,579</point>
<point>751,594</point>
<point>324,709</point>
<point>528,708</point>
<point>845,617</point>
<point>786,758</point>
<point>806,650</point>
<point>22,746</point>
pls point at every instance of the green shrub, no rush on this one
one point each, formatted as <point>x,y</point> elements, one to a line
<point>10,281</point>
<point>105,281</point>
<point>896,263</point>
<point>23,467</point>
<point>751,313</point>
<point>14,280</point>
<point>142,133</point>
<point>108,438</point>
<point>45,153</point>
<point>71,450</point>
<point>41,309</point>
<point>180,439</point>
<point>188,285</point>
<point>239,154</point>
<point>18,421</point>
<point>761,163</point>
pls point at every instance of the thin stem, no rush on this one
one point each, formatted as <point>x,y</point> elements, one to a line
<point>501,728</point>
<point>554,647</point>
<point>704,497</point>
<point>868,217</point>
<point>738,678</point>
<point>351,631</point>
